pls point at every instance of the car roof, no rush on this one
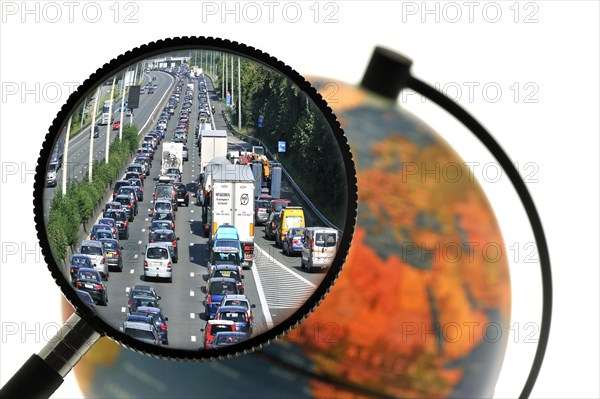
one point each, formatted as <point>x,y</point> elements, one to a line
<point>228,266</point>
<point>322,229</point>
<point>141,288</point>
<point>80,256</point>
<point>95,243</point>
<point>163,231</point>
<point>122,196</point>
<point>229,322</point>
<point>221,279</point>
<point>149,309</point>
<point>156,244</point>
<point>231,308</point>
<point>88,269</point>
<point>237,297</point>
<point>136,325</point>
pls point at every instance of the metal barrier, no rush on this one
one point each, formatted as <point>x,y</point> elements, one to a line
<point>253,140</point>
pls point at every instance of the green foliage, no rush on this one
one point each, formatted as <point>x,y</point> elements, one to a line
<point>312,158</point>
<point>69,212</point>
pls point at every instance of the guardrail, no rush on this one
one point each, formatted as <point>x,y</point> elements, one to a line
<point>252,140</point>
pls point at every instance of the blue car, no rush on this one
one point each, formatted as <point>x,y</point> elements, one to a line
<point>78,261</point>
<point>292,242</point>
<point>238,315</point>
<point>216,288</point>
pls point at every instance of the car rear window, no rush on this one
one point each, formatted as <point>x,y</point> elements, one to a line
<point>139,334</point>
<point>162,206</point>
<point>123,201</point>
<point>157,253</point>
<point>293,221</point>
<point>81,261</point>
<point>227,273</point>
<point>235,302</point>
<point>162,236</point>
<point>91,250</point>
<point>118,216</point>
<point>233,316</point>
<point>163,216</point>
<point>215,328</point>
<point>325,239</point>
<point>110,245</point>
<point>222,288</point>
<point>88,276</point>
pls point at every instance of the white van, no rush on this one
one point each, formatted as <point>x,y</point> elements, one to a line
<point>319,246</point>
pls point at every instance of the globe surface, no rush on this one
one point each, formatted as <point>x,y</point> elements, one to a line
<point>421,307</point>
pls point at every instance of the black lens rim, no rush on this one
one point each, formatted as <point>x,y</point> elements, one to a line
<point>122,62</point>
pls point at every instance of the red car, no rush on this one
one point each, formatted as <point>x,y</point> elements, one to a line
<point>117,125</point>
<point>213,327</point>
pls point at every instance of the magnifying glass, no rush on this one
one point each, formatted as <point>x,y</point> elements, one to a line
<point>148,197</point>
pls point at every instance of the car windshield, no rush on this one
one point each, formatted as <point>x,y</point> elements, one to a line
<point>162,206</point>
<point>262,204</point>
<point>162,236</point>
<point>325,239</point>
<point>104,234</point>
<point>125,191</point>
<point>91,250</point>
<point>157,253</point>
<point>107,221</point>
<point>88,276</point>
<point>81,261</point>
<point>233,316</point>
<point>134,169</point>
<point>163,191</point>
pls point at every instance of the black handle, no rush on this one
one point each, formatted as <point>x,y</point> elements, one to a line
<point>35,379</point>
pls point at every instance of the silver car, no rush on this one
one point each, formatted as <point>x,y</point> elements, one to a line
<point>95,251</point>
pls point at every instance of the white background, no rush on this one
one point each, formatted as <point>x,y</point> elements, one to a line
<point>553,58</point>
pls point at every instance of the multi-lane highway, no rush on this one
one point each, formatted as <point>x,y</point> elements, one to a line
<point>275,284</point>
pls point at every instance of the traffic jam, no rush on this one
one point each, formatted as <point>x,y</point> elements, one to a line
<point>197,243</point>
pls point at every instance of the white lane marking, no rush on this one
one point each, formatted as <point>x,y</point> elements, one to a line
<point>192,211</point>
<point>143,230</point>
<point>191,274</point>
<point>145,220</point>
<point>139,243</point>
<point>275,261</point>
<point>192,293</point>
<point>192,220</point>
<point>131,271</point>
<point>127,289</point>
<point>192,315</point>
<point>135,256</point>
<point>191,244</point>
<point>123,309</point>
<point>191,258</point>
<point>149,210</point>
<point>262,298</point>
<point>193,338</point>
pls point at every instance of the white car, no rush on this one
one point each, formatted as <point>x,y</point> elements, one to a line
<point>158,262</point>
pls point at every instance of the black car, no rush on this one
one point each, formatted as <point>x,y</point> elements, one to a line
<point>137,182</point>
<point>87,299</point>
<point>141,290</point>
<point>129,204</point>
<point>119,184</point>
<point>89,280</point>
<point>165,216</point>
<point>271,225</point>
<point>96,131</point>
<point>78,261</point>
<point>120,216</point>
<point>182,194</point>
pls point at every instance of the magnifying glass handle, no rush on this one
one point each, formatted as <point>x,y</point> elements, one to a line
<point>43,373</point>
